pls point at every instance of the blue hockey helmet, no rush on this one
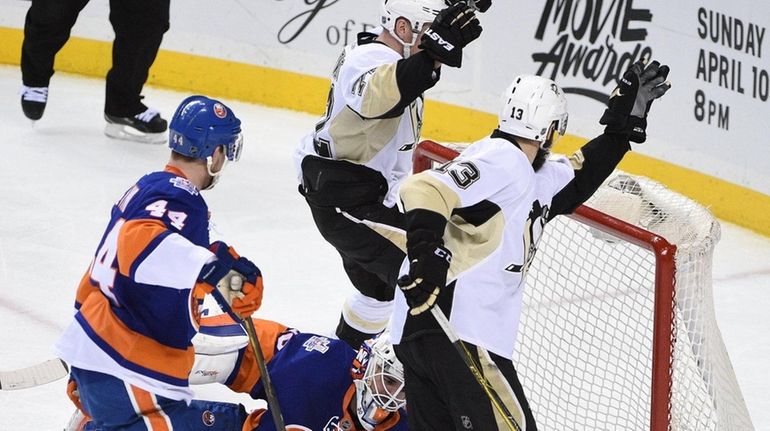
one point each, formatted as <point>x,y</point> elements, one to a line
<point>200,125</point>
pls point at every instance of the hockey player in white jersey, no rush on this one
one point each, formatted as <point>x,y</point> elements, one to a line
<point>473,226</point>
<point>350,166</point>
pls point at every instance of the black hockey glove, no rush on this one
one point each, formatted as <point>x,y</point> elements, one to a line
<point>631,100</point>
<point>453,29</point>
<point>481,5</point>
<point>429,261</point>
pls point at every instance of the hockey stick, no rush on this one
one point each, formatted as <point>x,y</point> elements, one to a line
<point>248,326</point>
<point>272,398</point>
<point>36,375</point>
<point>475,369</point>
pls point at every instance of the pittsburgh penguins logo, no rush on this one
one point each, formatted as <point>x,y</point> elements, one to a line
<point>533,230</point>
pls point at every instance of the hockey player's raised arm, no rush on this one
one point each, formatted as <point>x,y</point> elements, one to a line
<point>592,164</point>
<point>626,121</point>
<point>386,90</point>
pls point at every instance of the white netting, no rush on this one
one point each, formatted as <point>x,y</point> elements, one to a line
<point>584,351</point>
<point>585,344</point>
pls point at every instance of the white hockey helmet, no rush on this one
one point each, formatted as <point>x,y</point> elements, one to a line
<point>534,108</point>
<point>379,379</point>
<point>418,12</point>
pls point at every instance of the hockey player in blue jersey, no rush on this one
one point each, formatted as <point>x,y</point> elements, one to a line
<point>322,384</point>
<point>130,343</point>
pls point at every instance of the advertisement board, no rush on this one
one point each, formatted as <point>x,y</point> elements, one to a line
<point>712,120</point>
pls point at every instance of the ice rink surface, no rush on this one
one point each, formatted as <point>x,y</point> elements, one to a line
<point>59,179</point>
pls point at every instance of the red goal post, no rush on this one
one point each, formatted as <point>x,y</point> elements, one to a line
<point>618,330</point>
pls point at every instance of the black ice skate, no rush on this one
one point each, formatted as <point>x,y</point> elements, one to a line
<point>148,127</point>
<point>33,100</point>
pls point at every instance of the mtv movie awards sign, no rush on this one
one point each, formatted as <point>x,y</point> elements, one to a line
<point>592,39</point>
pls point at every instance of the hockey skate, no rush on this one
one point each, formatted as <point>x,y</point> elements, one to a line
<point>33,100</point>
<point>147,127</point>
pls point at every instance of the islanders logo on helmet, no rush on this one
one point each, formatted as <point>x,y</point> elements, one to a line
<point>220,110</point>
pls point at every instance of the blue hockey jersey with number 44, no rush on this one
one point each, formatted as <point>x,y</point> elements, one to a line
<point>135,312</point>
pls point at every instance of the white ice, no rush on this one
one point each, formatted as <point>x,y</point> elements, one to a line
<point>59,179</point>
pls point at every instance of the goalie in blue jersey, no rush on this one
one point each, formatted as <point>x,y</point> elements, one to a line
<point>322,384</point>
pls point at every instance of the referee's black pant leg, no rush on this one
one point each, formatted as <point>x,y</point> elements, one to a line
<point>46,29</point>
<point>139,27</point>
<point>442,394</point>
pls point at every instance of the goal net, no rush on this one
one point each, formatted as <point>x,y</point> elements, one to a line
<point>618,330</point>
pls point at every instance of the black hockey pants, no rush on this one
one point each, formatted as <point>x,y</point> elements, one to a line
<point>443,395</point>
<point>139,26</point>
<point>345,200</point>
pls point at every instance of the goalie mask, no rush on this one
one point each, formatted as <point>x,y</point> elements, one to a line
<point>534,108</point>
<point>200,125</point>
<point>379,379</point>
<point>417,12</point>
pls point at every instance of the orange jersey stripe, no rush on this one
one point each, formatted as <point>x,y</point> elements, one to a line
<point>134,347</point>
<point>218,320</point>
<point>85,288</point>
<point>248,372</point>
<point>134,237</point>
<point>147,407</point>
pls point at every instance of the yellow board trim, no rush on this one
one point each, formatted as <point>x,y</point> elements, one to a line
<point>444,122</point>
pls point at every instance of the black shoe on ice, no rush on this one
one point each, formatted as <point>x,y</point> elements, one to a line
<point>147,127</point>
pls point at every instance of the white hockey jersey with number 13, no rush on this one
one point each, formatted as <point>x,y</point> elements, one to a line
<point>496,206</point>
